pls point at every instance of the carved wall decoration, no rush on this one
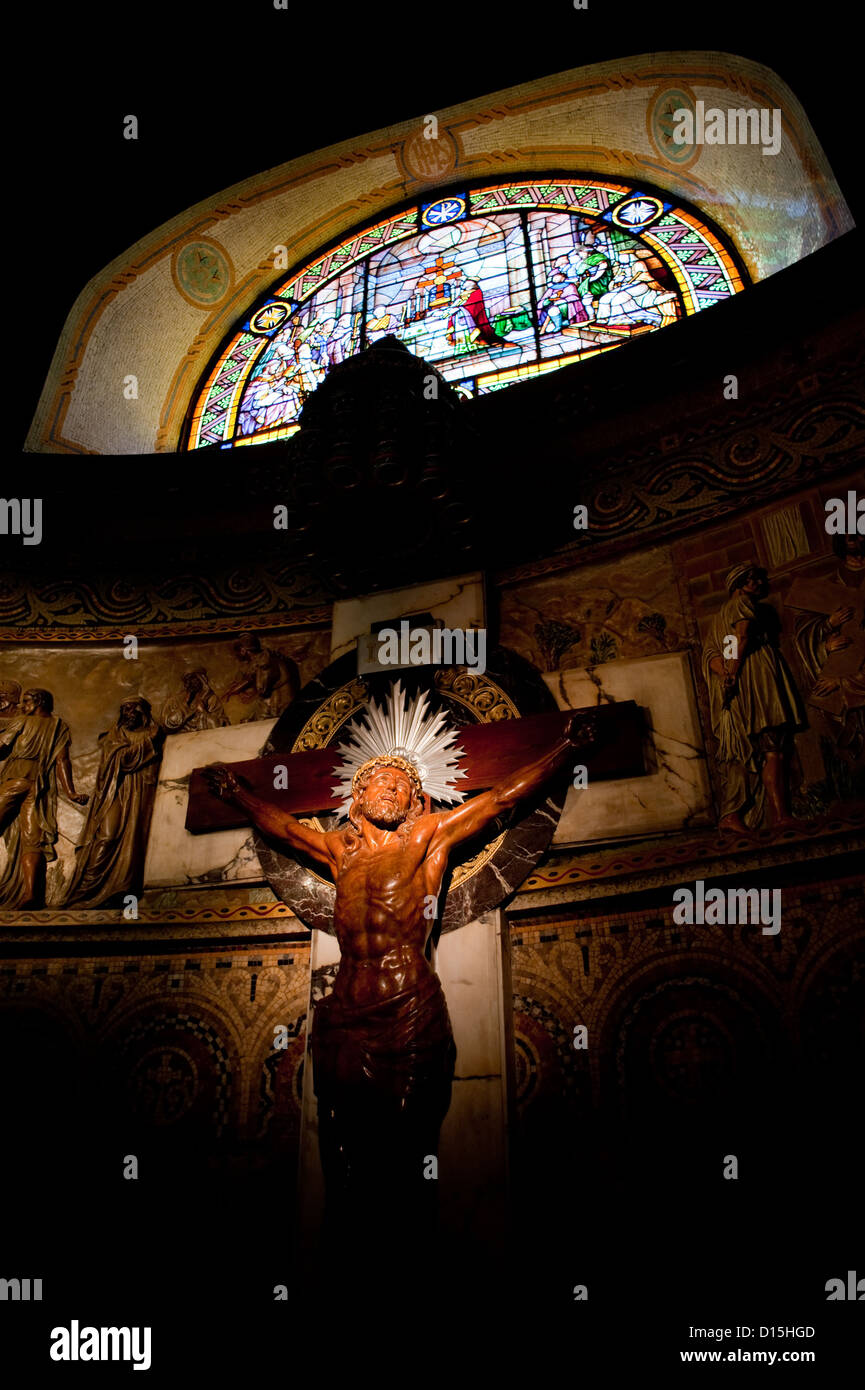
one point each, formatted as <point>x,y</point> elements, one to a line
<point>828,599</point>
<point>35,771</point>
<point>756,707</point>
<point>266,681</point>
<point>45,609</point>
<point>625,609</point>
<point>109,860</point>
<point>785,450</point>
<point>672,485</point>
<point>808,595</point>
<point>90,683</point>
<point>10,694</point>
<point>195,705</point>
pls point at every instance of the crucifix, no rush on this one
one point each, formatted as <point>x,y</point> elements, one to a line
<point>436,276</point>
<point>382,1045</point>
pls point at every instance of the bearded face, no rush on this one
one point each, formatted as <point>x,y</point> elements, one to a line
<point>132,715</point>
<point>387,798</point>
<point>34,700</point>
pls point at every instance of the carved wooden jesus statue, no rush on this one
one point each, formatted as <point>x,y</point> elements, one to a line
<point>382,1047</point>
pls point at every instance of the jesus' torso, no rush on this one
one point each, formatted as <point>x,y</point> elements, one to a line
<point>379,914</point>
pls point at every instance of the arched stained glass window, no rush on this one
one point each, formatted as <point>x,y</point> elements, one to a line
<point>492,285</point>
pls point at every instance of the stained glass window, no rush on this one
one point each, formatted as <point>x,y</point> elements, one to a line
<point>491,284</point>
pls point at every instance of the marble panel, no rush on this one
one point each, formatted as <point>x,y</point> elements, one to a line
<point>174,857</point>
<point>473,1147</point>
<point>675,792</point>
<point>458,602</point>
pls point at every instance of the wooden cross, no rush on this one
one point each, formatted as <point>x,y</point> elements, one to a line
<point>490,752</point>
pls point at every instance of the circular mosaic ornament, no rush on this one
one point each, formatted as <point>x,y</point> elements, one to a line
<point>202,272</point>
<point>271,317</point>
<point>445,210</point>
<point>637,213</point>
<point>546,1063</point>
<point>661,123</point>
<point>425,159</point>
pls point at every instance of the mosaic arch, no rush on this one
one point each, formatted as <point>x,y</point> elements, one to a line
<point>492,285</point>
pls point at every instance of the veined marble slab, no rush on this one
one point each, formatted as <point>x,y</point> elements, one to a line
<point>675,792</point>
<point>458,602</point>
<point>176,859</point>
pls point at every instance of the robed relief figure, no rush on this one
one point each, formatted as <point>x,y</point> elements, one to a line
<point>109,860</point>
<point>197,706</point>
<point>10,694</point>
<point>382,1047</point>
<point>265,684</point>
<point>831,646</point>
<point>756,707</point>
<point>34,746</point>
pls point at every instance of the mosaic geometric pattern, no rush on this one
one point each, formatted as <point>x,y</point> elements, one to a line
<point>492,285</point>
<point>543,1050</point>
<point>677,1014</point>
<point>281,1086</point>
<point>202,272</point>
<point>163,1081</point>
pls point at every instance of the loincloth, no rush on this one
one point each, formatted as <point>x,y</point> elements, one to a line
<point>399,1048</point>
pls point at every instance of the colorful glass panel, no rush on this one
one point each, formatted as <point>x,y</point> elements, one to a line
<point>597,285</point>
<point>493,285</point>
<point>457,296</point>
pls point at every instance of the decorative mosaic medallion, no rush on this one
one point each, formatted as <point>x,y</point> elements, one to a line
<point>429,159</point>
<point>661,123</point>
<point>444,210</point>
<point>637,212</point>
<point>202,272</point>
<point>272,316</point>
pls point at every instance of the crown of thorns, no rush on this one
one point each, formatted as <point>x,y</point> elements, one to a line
<point>388,760</point>
<point>412,739</point>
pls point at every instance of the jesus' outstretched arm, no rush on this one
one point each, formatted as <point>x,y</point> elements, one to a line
<point>473,816</point>
<point>268,818</point>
